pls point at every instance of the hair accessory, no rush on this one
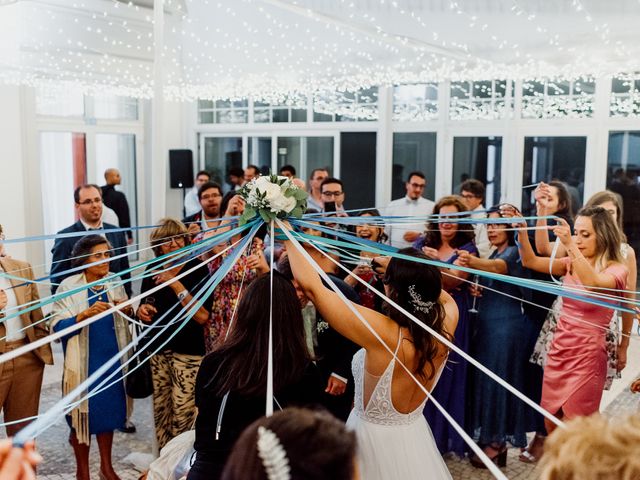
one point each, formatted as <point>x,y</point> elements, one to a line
<point>416,301</point>
<point>274,458</point>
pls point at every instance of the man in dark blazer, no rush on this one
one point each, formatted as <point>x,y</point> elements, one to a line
<point>117,201</point>
<point>88,199</point>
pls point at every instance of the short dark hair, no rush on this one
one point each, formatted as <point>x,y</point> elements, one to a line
<point>331,180</point>
<point>203,172</point>
<point>313,172</point>
<point>82,248</point>
<point>76,192</point>
<point>317,446</point>
<point>473,186</point>
<point>255,169</point>
<point>416,173</point>
<point>288,168</point>
<point>236,172</point>
<point>207,186</point>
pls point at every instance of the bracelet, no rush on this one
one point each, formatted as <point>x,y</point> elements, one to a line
<point>182,295</point>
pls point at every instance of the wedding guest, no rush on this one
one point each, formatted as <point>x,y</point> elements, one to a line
<point>444,241</point>
<point>593,448</point>
<point>402,234</point>
<point>576,366</point>
<point>191,202</point>
<point>314,201</point>
<point>288,171</point>
<point>500,331</point>
<point>313,445</point>
<point>175,365</point>
<point>472,192</point>
<point>210,200</point>
<point>87,349</point>
<point>88,200</point>
<point>116,200</point>
<point>394,440</point>
<point>20,384</point>
<point>232,381</point>
<point>250,173</point>
<point>374,233</point>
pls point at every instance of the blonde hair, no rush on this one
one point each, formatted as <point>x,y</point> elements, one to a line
<point>167,229</point>
<point>597,199</point>
<point>593,448</point>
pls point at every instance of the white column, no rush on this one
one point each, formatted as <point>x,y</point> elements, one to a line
<point>384,146</point>
<point>595,174</point>
<point>157,172</point>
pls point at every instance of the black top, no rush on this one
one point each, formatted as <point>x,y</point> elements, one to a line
<point>190,339</point>
<point>239,412</point>
<point>117,202</point>
<point>61,253</point>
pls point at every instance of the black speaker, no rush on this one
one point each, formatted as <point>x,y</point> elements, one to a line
<point>181,168</point>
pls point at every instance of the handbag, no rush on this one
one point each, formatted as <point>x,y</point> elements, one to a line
<point>138,382</point>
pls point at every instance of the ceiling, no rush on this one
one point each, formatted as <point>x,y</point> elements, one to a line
<point>233,48</point>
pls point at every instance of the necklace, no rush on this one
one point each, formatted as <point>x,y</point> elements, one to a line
<point>97,288</point>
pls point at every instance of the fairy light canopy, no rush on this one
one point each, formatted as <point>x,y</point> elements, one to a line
<point>275,48</point>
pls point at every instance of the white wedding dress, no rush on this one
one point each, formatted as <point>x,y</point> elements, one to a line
<point>391,445</point>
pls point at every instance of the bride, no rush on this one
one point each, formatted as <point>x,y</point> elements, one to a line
<point>394,440</point>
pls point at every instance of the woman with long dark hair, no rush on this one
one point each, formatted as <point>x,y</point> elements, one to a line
<point>576,368</point>
<point>394,440</point>
<point>443,240</point>
<point>232,382</point>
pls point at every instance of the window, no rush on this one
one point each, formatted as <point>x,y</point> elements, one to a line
<point>220,155</point>
<point>558,99</point>
<point>260,153</point>
<point>554,158</point>
<point>361,106</point>
<point>479,158</point>
<point>413,152</point>
<point>115,108</point>
<point>59,102</point>
<point>415,103</point>
<point>63,166</point>
<point>223,111</point>
<point>625,96</point>
<point>623,177</point>
<point>305,154</point>
<point>293,109</point>
<point>480,100</point>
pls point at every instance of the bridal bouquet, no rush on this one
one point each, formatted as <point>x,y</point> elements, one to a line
<point>271,196</point>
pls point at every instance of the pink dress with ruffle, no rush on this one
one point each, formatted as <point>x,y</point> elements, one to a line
<point>576,368</point>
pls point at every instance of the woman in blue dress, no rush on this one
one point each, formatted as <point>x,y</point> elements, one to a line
<point>500,336</point>
<point>443,241</point>
<point>87,349</point>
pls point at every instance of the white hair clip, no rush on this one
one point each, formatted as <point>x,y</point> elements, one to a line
<point>274,458</point>
<point>417,303</point>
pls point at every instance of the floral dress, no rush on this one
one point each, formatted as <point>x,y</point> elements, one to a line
<point>225,297</point>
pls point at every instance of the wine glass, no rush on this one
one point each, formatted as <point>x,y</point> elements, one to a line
<point>473,308</point>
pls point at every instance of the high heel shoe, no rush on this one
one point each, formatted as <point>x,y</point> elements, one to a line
<point>499,458</point>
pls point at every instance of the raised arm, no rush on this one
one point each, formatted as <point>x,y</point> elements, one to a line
<point>534,262</point>
<point>627,318</point>
<point>465,259</point>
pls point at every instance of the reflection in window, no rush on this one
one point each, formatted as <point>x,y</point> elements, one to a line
<point>223,111</point>
<point>220,155</point>
<point>413,152</point>
<point>558,99</point>
<point>625,96</point>
<point>260,153</point>
<point>305,154</point>
<point>293,109</point>
<point>479,158</point>
<point>623,177</point>
<point>415,103</point>
<point>358,106</point>
<point>554,158</point>
<point>63,167</point>
<point>481,100</point>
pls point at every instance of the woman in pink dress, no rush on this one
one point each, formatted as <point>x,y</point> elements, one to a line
<point>576,366</point>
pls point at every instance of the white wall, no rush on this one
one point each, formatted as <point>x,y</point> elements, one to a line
<point>12,170</point>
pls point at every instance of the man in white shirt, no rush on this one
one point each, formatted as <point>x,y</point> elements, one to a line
<point>403,233</point>
<point>191,202</point>
<point>314,200</point>
<point>472,193</point>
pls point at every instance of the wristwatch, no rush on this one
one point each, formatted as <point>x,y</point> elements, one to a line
<point>182,295</point>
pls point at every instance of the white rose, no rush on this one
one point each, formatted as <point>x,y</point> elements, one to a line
<point>283,204</point>
<point>271,190</point>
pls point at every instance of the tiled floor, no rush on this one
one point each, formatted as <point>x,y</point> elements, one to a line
<point>59,463</point>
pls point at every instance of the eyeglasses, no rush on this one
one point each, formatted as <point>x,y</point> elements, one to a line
<point>418,185</point>
<point>89,201</point>
<point>175,240</point>
<point>207,197</point>
<point>332,194</point>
